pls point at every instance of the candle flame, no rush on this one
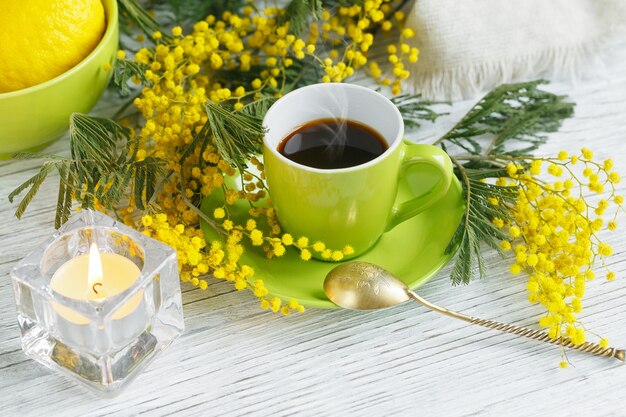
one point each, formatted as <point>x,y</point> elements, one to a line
<point>94,274</point>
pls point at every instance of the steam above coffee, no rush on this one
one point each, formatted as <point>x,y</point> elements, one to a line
<point>332,144</point>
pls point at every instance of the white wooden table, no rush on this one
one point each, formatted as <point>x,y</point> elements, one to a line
<point>235,359</point>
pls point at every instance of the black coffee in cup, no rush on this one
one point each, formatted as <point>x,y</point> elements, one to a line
<point>332,144</point>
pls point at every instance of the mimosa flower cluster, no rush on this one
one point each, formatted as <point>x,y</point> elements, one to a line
<point>554,233</point>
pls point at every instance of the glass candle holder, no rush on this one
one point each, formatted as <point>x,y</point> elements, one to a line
<point>101,343</point>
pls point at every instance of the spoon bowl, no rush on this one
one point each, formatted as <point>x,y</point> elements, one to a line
<point>364,286</point>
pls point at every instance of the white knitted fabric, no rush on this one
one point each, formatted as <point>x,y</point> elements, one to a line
<point>468,46</point>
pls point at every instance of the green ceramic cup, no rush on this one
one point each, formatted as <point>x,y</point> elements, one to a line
<point>356,205</point>
<point>34,117</point>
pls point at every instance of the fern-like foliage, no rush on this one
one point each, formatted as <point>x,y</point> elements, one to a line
<point>102,168</point>
<point>298,12</point>
<point>133,10</point>
<point>413,109</point>
<point>237,134</point>
<point>124,70</point>
<point>510,121</point>
<point>476,225</point>
<point>516,118</point>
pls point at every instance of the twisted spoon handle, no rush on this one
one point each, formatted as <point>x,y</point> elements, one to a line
<point>539,335</point>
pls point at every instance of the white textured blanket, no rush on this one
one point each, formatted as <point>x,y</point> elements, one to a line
<point>467,46</point>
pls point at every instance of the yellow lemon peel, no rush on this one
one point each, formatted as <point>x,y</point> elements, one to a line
<point>42,39</point>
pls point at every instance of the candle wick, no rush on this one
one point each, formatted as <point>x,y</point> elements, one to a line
<point>94,287</point>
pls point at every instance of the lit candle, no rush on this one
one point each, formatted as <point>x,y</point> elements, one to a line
<point>95,276</point>
<point>98,314</point>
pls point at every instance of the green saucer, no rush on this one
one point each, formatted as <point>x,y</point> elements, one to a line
<point>413,251</point>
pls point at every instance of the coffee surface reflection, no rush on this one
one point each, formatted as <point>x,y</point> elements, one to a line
<point>332,144</point>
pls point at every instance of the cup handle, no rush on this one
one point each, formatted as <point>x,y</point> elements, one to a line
<point>425,155</point>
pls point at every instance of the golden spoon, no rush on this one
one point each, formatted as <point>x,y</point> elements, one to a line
<point>365,286</point>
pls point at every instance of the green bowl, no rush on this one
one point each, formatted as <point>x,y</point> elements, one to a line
<point>34,117</point>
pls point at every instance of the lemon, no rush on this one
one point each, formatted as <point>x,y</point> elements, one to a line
<point>40,39</point>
